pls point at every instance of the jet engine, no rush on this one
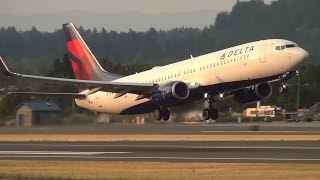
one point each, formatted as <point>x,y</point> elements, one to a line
<point>170,93</point>
<point>259,92</point>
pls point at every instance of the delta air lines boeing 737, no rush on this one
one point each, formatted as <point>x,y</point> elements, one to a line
<point>243,71</point>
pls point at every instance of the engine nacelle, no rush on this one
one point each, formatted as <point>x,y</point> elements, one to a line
<point>170,93</point>
<point>259,92</point>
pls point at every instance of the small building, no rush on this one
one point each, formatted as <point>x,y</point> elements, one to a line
<point>37,113</point>
<point>261,111</point>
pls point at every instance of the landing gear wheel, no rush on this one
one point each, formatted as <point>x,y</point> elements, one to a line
<point>283,88</point>
<point>206,114</point>
<point>214,114</point>
<point>157,115</point>
<point>165,114</point>
<point>210,113</point>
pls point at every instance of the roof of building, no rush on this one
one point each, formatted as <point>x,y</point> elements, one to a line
<point>41,106</point>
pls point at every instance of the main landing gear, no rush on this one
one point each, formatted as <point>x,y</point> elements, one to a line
<point>161,114</point>
<point>210,113</point>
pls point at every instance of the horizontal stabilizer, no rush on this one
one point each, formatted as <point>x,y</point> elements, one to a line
<point>77,95</point>
<point>114,87</point>
<point>4,69</point>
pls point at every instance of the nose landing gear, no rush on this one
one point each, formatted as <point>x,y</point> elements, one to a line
<point>283,88</point>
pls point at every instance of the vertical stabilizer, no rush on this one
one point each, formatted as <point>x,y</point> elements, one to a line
<point>84,64</point>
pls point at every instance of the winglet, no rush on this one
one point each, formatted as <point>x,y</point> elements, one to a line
<point>4,69</point>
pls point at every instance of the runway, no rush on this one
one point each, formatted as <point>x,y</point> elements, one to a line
<point>233,152</point>
<point>175,128</point>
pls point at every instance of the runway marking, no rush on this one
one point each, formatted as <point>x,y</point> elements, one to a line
<point>57,153</point>
<point>260,131</point>
<point>167,158</point>
<point>290,125</point>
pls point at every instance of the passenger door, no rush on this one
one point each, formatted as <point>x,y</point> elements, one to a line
<point>98,99</point>
<point>262,54</point>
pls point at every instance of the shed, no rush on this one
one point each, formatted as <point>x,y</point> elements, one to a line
<point>37,113</point>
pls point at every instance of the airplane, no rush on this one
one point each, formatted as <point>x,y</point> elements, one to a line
<point>245,72</point>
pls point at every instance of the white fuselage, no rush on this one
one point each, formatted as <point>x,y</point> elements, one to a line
<point>251,61</point>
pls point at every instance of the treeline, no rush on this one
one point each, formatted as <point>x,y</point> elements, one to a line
<point>295,20</point>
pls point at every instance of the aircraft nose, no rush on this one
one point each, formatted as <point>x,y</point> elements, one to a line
<point>301,55</point>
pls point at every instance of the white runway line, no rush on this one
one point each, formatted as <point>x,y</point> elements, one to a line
<point>56,153</point>
<point>255,147</point>
<point>260,131</point>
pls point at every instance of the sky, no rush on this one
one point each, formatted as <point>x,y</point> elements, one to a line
<point>118,15</point>
<point>32,7</point>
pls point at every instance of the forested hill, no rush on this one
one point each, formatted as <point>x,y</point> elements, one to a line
<point>295,20</point>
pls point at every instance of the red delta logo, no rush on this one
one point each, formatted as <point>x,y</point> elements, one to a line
<point>223,56</point>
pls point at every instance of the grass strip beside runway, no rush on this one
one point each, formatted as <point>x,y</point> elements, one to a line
<point>153,137</point>
<point>22,169</point>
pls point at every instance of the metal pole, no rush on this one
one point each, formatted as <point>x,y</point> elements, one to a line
<point>298,93</point>
<point>72,105</point>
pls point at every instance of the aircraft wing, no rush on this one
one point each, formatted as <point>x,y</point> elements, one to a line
<point>115,87</point>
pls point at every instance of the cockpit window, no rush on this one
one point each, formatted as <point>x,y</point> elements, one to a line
<point>279,48</point>
<point>290,45</point>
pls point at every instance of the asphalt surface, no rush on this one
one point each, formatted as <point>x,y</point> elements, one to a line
<point>174,128</point>
<point>234,152</point>
<point>209,151</point>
